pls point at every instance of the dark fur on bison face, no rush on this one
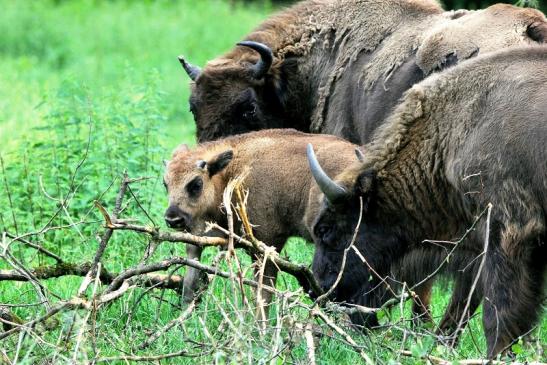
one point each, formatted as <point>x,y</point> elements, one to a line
<point>232,96</point>
<point>232,102</point>
<point>348,228</point>
<point>349,237</point>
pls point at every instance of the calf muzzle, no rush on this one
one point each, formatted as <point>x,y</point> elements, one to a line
<point>176,218</point>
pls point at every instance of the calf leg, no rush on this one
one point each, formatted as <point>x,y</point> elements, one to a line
<point>265,273</point>
<point>191,280</point>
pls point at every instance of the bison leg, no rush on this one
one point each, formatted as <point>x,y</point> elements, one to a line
<point>191,280</point>
<point>454,313</point>
<point>420,303</point>
<point>513,279</point>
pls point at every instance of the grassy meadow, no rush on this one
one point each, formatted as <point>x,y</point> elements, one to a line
<point>90,89</point>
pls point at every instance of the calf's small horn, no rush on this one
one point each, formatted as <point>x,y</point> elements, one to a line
<point>261,68</point>
<point>192,71</point>
<point>332,190</point>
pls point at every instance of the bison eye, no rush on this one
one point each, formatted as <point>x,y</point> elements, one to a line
<point>194,187</point>
<point>250,113</point>
<point>193,109</point>
<point>165,185</point>
<point>323,232</point>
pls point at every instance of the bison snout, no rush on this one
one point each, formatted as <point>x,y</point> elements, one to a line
<point>176,218</point>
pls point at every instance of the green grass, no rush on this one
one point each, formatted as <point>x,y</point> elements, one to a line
<point>99,81</point>
<point>109,47</point>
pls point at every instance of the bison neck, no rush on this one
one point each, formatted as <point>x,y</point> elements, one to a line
<point>345,63</point>
<point>359,63</point>
<point>415,198</point>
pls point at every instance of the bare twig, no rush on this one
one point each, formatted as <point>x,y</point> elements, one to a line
<point>309,342</point>
<point>320,299</point>
<point>148,358</point>
<point>179,320</point>
<point>440,361</point>
<point>316,312</point>
<point>105,237</point>
<point>464,318</point>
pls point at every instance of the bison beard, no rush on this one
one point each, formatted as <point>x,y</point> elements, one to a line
<point>430,172</point>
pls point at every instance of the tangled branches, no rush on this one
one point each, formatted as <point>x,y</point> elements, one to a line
<point>80,306</point>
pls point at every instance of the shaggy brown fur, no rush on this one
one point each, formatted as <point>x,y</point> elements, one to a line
<point>341,65</point>
<point>474,135</point>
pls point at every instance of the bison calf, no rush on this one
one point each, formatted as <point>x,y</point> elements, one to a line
<point>282,194</point>
<point>283,198</point>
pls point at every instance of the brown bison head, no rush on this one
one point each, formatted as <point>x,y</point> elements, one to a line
<point>232,97</point>
<point>194,182</point>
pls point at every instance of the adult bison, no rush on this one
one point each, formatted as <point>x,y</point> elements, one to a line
<point>466,138</point>
<point>339,66</point>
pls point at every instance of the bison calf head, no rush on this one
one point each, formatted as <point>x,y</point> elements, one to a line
<point>194,184</point>
<point>235,94</point>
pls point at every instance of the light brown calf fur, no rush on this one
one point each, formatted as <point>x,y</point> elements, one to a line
<point>281,189</point>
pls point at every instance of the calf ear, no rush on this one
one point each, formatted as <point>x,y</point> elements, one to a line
<point>219,162</point>
<point>183,148</point>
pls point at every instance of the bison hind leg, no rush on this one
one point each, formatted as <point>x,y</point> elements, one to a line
<point>513,287</point>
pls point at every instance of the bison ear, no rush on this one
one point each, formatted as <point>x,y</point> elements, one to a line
<point>180,149</point>
<point>219,162</point>
<point>277,81</point>
<point>366,183</point>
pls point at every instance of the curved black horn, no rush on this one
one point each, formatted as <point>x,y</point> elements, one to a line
<point>266,57</point>
<point>192,71</point>
<point>332,190</point>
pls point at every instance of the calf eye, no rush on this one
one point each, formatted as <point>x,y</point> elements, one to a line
<point>194,187</point>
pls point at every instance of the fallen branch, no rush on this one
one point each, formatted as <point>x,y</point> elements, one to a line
<point>59,307</point>
<point>440,361</point>
<point>302,273</point>
<point>147,358</point>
